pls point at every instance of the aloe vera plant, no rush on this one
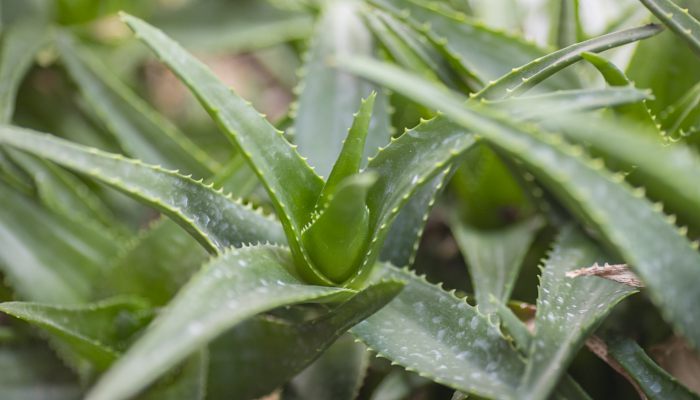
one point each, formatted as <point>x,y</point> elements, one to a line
<point>195,248</point>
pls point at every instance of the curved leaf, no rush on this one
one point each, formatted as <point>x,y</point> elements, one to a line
<point>645,238</point>
<point>95,332</point>
<point>568,310</point>
<point>236,286</point>
<point>677,19</point>
<point>656,383</point>
<point>277,349</point>
<point>439,336</point>
<point>290,182</point>
<point>213,218</point>
<point>524,77</point>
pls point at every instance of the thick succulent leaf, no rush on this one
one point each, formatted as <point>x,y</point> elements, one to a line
<point>669,173</point>
<point>213,218</point>
<point>405,166</point>
<point>156,263</point>
<point>524,77</point>
<point>328,97</point>
<point>32,372</point>
<point>494,258</point>
<point>217,26</point>
<point>290,182</point>
<point>482,53</point>
<point>139,129</point>
<point>656,383</point>
<point>278,349</point>
<point>238,285</point>
<point>544,105</point>
<point>350,158</point>
<point>430,331</point>
<point>677,19</point>
<point>20,42</point>
<point>95,332</point>
<point>402,240</point>
<point>337,374</point>
<point>55,264</point>
<point>629,223</point>
<point>568,310</point>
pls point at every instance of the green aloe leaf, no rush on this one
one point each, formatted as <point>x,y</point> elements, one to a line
<point>483,54</point>
<point>566,28</point>
<point>213,218</point>
<point>140,130</point>
<point>290,182</point>
<point>277,349</point>
<point>95,332</point>
<point>328,97</point>
<point>669,173</point>
<point>157,262</point>
<point>58,263</point>
<point>337,374</point>
<point>540,106</point>
<point>644,237</point>
<point>678,19</point>
<point>568,310</point>
<point>524,77</point>
<point>402,239</point>
<point>439,336</point>
<point>682,118</point>
<point>656,383</point>
<point>230,289</point>
<point>20,43</point>
<point>494,258</point>
<point>32,372</point>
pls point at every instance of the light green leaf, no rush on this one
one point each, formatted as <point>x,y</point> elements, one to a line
<point>669,173</point>
<point>566,28</point>
<point>187,381</point>
<point>290,182</point>
<point>337,374</point>
<point>328,97</point>
<point>568,310</point>
<point>397,385</point>
<point>58,263</point>
<point>32,372</point>
<point>524,77</point>
<point>677,19</point>
<point>140,130</point>
<point>645,238</point>
<point>94,332</point>
<point>494,258</point>
<point>230,289</point>
<point>277,349</point>
<point>20,42</point>
<point>682,118</point>
<point>656,383</point>
<point>213,218</point>
<point>439,336</point>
